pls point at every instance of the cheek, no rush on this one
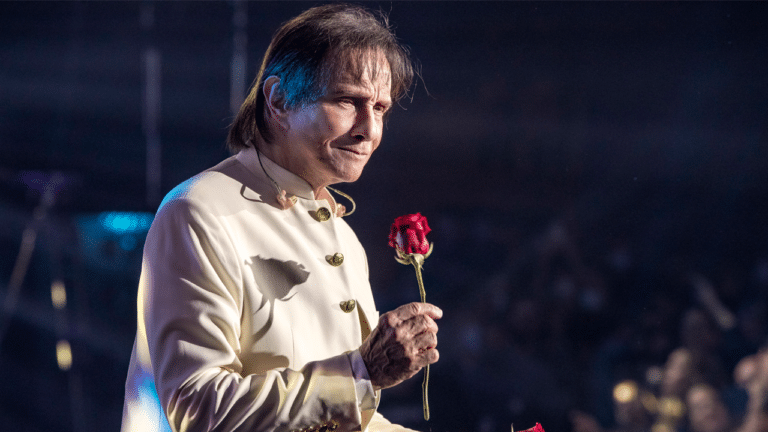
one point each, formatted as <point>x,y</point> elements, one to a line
<point>336,122</point>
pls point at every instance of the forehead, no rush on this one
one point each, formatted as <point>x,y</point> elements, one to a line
<point>369,68</point>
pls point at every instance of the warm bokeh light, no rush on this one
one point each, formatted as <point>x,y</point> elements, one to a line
<point>64,355</point>
<point>671,407</point>
<point>662,427</point>
<point>625,391</point>
<point>58,294</point>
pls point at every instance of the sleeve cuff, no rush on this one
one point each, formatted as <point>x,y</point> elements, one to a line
<point>366,397</point>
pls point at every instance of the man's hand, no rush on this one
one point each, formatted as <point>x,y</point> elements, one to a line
<point>402,344</point>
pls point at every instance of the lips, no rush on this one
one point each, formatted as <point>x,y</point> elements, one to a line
<point>353,151</point>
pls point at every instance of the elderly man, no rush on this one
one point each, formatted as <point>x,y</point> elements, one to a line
<point>254,307</point>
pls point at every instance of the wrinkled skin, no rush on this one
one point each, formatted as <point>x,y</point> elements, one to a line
<point>402,344</point>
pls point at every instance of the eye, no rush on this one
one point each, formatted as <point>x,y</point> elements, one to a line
<point>380,108</point>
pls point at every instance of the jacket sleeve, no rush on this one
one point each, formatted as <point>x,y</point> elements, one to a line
<point>190,302</point>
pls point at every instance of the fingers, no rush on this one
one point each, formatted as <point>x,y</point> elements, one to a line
<point>411,310</point>
<point>404,342</point>
<point>425,339</point>
<point>417,325</point>
<point>424,342</point>
<point>425,356</point>
<point>418,337</point>
<point>409,328</point>
<point>431,356</point>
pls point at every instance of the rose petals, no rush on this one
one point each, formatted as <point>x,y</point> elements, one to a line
<point>536,428</point>
<point>409,234</point>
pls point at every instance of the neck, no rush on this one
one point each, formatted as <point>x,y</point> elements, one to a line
<point>271,151</point>
<point>322,193</point>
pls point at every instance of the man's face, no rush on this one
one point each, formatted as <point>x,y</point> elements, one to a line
<point>330,141</point>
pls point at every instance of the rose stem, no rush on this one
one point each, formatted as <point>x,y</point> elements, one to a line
<point>422,292</point>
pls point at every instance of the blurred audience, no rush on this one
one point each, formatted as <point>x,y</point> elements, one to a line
<point>576,331</point>
<point>707,411</point>
<point>751,374</point>
<point>630,407</point>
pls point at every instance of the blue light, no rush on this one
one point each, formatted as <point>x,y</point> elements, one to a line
<point>125,222</point>
<point>128,242</point>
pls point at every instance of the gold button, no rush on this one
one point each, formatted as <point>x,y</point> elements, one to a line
<point>322,214</point>
<point>335,259</point>
<point>330,425</point>
<point>348,306</point>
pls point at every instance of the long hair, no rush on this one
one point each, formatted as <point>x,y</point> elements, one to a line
<point>311,50</point>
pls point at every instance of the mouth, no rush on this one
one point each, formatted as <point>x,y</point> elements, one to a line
<point>353,151</point>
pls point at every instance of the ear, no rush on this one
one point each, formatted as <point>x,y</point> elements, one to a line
<point>274,100</point>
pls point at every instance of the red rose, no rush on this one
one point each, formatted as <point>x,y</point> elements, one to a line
<point>536,428</point>
<point>409,234</point>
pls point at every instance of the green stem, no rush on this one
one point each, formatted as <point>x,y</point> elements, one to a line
<point>420,281</point>
<point>425,383</point>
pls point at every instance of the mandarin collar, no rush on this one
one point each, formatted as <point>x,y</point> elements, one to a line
<point>286,180</point>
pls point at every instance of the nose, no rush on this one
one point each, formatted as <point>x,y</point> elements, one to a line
<point>366,125</point>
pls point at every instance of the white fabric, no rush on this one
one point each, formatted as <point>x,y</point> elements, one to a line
<point>240,326</point>
<point>366,397</point>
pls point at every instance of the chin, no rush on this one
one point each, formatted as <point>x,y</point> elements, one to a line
<point>349,178</point>
<point>348,175</point>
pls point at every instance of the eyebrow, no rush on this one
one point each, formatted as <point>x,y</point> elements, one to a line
<point>356,93</point>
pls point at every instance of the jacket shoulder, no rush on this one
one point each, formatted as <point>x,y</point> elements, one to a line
<point>218,187</point>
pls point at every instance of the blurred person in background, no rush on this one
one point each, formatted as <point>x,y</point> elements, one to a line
<point>707,411</point>
<point>679,374</point>
<point>702,338</point>
<point>630,407</point>
<point>751,374</point>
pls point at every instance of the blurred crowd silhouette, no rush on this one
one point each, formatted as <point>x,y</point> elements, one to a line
<point>538,328</point>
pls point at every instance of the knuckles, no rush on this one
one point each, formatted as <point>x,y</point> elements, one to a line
<point>400,335</point>
<point>388,320</point>
<point>403,344</point>
<point>429,323</point>
<point>413,308</point>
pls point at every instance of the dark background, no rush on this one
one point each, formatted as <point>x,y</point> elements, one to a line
<point>621,143</point>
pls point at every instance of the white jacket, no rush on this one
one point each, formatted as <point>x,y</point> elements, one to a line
<point>241,311</point>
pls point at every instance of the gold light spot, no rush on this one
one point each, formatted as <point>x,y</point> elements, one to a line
<point>58,294</point>
<point>625,391</point>
<point>64,355</point>
<point>671,407</point>
<point>661,427</point>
